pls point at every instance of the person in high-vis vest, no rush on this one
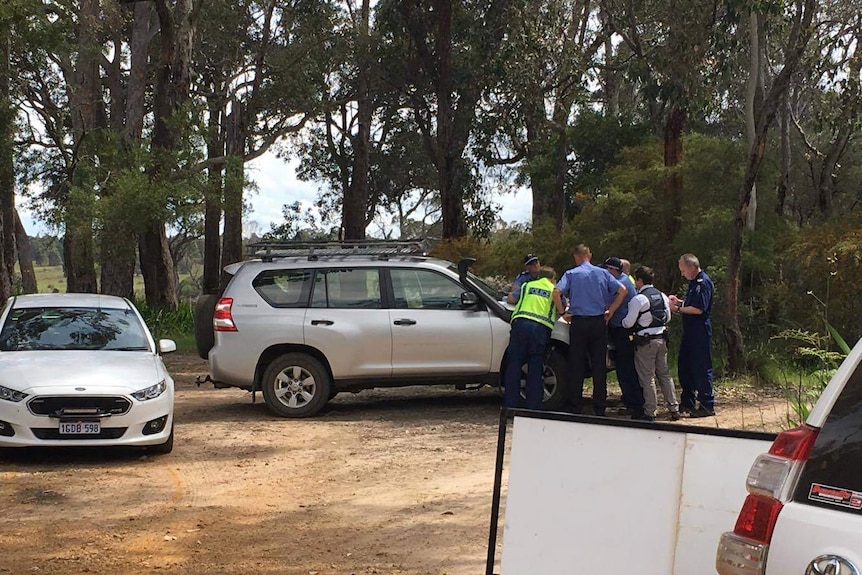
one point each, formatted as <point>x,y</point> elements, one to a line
<point>532,322</point>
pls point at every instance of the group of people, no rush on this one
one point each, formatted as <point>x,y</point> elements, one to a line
<point>605,303</point>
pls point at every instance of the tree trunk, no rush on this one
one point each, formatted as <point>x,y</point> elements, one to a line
<point>799,36</point>
<point>84,99</point>
<point>786,159</point>
<point>7,171</point>
<point>233,184</point>
<point>354,215</point>
<point>213,202</point>
<point>25,257</point>
<point>119,239</point>
<point>754,96</point>
<point>672,198</point>
<point>176,29</point>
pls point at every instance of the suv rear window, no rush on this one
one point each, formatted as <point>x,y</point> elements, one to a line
<point>832,477</point>
<point>284,288</point>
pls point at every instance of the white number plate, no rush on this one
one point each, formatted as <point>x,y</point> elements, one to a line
<point>80,427</point>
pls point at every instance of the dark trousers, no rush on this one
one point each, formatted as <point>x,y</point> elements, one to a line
<point>694,366</point>
<point>527,342</point>
<point>588,342</point>
<point>627,375</point>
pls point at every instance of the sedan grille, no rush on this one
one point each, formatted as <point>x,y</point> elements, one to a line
<point>54,433</point>
<point>56,406</point>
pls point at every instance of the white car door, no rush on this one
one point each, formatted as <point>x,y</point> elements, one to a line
<point>431,333</point>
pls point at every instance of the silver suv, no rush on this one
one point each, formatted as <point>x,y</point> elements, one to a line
<point>302,322</point>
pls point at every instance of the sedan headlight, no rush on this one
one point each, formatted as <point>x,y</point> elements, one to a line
<point>11,394</point>
<point>151,392</point>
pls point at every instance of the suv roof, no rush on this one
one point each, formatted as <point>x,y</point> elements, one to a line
<point>312,250</point>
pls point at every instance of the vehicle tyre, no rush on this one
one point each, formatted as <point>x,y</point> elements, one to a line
<point>555,382</point>
<point>165,447</point>
<point>296,385</point>
<point>203,319</point>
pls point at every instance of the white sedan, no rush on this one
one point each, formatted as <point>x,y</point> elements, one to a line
<point>82,370</point>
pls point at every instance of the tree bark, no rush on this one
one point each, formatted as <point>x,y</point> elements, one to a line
<point>354,215</point>
<point>173,76</point>
<point>675,124</point>
<point>119,239</point>
<point>764,116</point>
<point>213,202</point>
<point>233,184</point>
<point>786,158</point>
<point>7,174</point>
<point>25,257</point>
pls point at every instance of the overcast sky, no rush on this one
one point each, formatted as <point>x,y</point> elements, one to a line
<point>277,186</point>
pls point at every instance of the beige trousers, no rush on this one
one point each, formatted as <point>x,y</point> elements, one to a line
<point>651,365</point>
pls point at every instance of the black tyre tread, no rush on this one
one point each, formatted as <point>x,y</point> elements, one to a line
<point>203,319</point>
<point>310,364</point>
<point>559,365</point>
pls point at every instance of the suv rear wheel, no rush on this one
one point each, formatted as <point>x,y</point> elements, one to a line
<point>296,385</point>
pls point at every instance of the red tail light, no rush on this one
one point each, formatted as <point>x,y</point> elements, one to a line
<point>757,518</point>
<point>769,478</point>
<point>794,443</point>
<point>222,318</point>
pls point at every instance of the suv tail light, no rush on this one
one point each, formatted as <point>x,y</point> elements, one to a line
<point>222,318</point>
<point>773,475</point>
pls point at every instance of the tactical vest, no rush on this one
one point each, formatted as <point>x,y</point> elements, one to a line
<point>656,309</point>
<point>536,302</point>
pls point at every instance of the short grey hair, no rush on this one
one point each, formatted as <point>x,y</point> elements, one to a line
<point>690,260</point>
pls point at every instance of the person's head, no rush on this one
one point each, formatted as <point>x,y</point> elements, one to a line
<point>627,266</point>
<point>532,264</point>
<point>547,272</point>
<point>581,253</point>
<point>613,265</point>
<point>689,266</point>
<point>644,276</point>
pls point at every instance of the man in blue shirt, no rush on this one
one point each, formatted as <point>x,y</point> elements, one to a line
<point>531,272</point>
<point>624,356</point>
<point>694,366</point>
<point>594,296</point>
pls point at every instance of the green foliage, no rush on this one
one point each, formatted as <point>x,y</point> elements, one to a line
<point>168,323</point>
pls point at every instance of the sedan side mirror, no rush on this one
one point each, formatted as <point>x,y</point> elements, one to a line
<point>167,345</point>
<point>469,300</point>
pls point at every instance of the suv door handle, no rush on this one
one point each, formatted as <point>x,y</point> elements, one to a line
<point>404,322</point>
<point>322,322</point>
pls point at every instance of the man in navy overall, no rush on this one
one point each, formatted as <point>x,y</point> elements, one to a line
<point>695,356</point>
<point>624,346</point>
<point>593,295</point>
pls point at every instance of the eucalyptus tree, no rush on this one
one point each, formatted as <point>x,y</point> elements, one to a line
<point>672,43</point>
<point>261,66</point>
<point>798,18</point>
<point>446,63</point>
<point>548,57</point>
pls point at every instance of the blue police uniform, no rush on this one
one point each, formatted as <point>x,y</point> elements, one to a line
<point>522,277</point>
<point>590,290</point>
<point>695,356</point>
<point>624,354</point>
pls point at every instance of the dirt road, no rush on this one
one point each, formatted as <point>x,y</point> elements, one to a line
<point>389,482</point>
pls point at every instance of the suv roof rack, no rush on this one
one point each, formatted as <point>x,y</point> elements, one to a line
<point>313,249</point>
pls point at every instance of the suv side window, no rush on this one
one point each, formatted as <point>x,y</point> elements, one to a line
<point>284,288</point>
<point>832,476</point>
<point>347,288</point>
<point>424,289</point>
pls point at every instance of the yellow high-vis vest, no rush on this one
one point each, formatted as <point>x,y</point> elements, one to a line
<point>537,302</point>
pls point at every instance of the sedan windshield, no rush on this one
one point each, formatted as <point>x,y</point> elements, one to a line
<point>64,328</point>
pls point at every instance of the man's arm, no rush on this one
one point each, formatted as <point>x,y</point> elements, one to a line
<point>633,313</point>
<point>558,303</point>
<point>618,301</point>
